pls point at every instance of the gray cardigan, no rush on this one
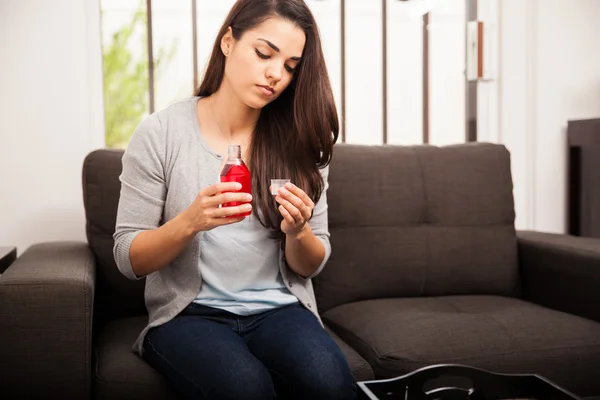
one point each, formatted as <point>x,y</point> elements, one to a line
<point>165,165</point>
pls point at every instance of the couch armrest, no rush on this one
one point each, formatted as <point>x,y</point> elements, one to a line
<point>561,272</point>
<point>46,303</point>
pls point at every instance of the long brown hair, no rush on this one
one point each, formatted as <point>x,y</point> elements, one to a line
<point>295,134</point>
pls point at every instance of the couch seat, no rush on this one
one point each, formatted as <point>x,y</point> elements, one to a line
<point>502,334</point>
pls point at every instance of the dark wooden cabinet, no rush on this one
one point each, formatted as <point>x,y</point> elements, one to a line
<point>583,137</point>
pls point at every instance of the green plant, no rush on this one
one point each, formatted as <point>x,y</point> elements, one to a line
<point>126,78</point>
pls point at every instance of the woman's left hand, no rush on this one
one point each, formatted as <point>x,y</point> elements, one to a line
<point>295,207</point>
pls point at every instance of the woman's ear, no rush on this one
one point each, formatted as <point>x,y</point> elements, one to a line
<point>227,42</point>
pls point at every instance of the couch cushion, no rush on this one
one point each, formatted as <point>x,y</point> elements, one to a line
<point>501,334</point>
<point>360,367</point>
<point>122,374</point>
<point>419,221</point>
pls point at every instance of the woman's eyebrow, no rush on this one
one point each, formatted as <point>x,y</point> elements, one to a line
<point>271,45</point>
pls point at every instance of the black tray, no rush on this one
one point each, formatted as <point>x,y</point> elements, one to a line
<point>461,382</point>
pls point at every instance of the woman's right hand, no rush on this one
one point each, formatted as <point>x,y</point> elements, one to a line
<point>205,214</point>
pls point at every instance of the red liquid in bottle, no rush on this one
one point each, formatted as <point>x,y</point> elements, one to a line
<point>235,170</point>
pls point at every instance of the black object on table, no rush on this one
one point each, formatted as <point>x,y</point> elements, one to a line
<point>461,382</point>
<point>7,256</point>
<point>583,137</point>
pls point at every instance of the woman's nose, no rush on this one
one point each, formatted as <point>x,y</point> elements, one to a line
<point>274,72</point>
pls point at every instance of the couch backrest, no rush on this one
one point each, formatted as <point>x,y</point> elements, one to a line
<point>404,221</point>
<point>116,296</point>
<point>419,221</point>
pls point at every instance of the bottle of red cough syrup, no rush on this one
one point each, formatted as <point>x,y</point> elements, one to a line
<point>235,170</point>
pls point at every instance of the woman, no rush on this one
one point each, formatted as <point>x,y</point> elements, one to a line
<point>232,312</point>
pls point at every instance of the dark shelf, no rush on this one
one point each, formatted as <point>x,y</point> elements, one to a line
<point>583,138</point>
<point>7,256</point>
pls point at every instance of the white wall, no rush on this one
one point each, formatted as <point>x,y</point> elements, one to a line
<point>52,116</point>
<point>446,72</point>
<point>567,36</point>
<point>364,88</point>
<point>549,73</point>
<point>405,74</point>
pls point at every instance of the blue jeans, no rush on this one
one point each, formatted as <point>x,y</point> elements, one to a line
<point>208,353</point>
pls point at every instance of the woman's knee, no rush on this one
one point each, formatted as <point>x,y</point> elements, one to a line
<point>326,375</point>
<point>253,383</point>
<point>330,382</point>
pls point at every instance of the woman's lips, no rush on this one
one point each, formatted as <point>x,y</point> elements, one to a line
<point>267,91</point>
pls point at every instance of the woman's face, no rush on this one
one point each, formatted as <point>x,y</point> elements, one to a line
<point>260,65</point>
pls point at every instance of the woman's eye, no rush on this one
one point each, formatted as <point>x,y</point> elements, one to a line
<point>261,55</point>
<point>266,57</point>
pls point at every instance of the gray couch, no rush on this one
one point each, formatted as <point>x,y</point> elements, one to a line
<point>426,268</point>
